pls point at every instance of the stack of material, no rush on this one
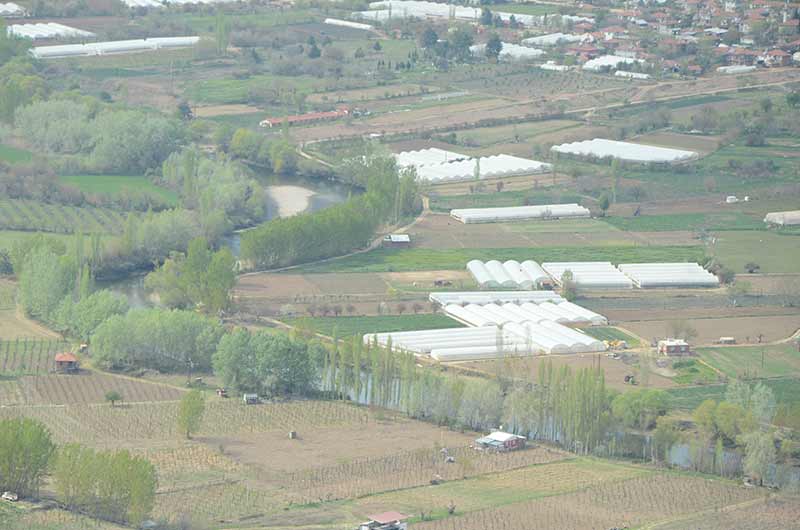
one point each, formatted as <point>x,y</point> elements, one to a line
<point>602,148</point>
<point>589,274</point>
<point>111,47</point>
<point>494,297</point>
<point>511,274</point>
<point>347,24</point>
<point>788,218</point>
<point>646,275</point>
<point>500,314</point>
<point>48,30</point>
<point>518,213</point>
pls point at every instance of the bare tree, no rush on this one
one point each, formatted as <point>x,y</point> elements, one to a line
<point>401,308</point>
<point>416,307</point>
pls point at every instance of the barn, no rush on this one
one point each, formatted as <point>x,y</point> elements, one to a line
<point>501,441</point>
<point>66,362</point>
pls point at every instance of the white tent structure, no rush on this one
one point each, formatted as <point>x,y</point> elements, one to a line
<point>589,274</point>
<point>519,213</point>
<point>494,166</point>
<point>428,157</point>
<point>651,275</point>
<point>602,148</point>
<point>631,75</point>
<point>788,218</point>
<point>47,30</point>
<point>510,274</point>
<point>111,47</point>
<point>494,297</point>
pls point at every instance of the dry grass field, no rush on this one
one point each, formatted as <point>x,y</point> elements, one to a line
<point>745,330</point>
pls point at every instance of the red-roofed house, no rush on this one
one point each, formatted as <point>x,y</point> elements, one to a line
<point>776,58</point>
<point>385,521</point>
<point>66,362</point>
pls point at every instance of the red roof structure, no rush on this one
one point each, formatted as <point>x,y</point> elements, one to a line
<point>306,118</point>
<point>66,357</point>
<point>387,517</point>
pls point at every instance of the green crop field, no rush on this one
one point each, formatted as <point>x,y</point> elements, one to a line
<point>786,390</point>
<point>774,252</point>
<point>612,333</point>
<point>348,326</point>
<point>14,155</point>
<point>220,91</point>
<point>691,372</point>
<point>115,184</point>
<point>8,238</point>
<point>688,221</point>
<point>754,361</point>
<point>19,214</point>
<point>419,259</point>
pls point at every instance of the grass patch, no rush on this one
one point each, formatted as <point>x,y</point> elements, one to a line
<point>532,9</point>
<point>14,155</point>
<point>116,184</point>
<point>8,238</point>
<point>774,252</point>
<point>738,361</point>
<point>689,221</point>
<point>485,136</point>
<point>611,333</point>
<point>786,390</point>
<point>445,203</point>
<point>420,259</point>
<point>349,326</point>
<point>219,91</point>
<point>691,372</point>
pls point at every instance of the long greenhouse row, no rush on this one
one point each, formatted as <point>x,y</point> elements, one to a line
<point>511,274</point>
<point>669,275</point>
<point>508,51</point>
<point>484,167</point>
<point>496,315</point>
<point>162,3</point>
<point>494,297</point>
<point>112,47</point>
<point>589,274</point>
<point>602,148</point>
<point>789,218</point>
<point>520,213</point>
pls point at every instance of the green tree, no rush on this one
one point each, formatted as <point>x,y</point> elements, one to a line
<point>428,38</point>
<point>112,396</point>
<point>190,412</point>
<point>493,47</point>
<point>759,454</point>
<point>487,19</point>
<point>665,435</point>
<point>569,288</point>
<point>222,32</point>
<point>604,202</point>
<point>25,453</point>
<point>703,416</point>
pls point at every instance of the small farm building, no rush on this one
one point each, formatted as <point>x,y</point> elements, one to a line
<point>385,521</point>
<point>501,441</point>
<point>397,241</point>
<point>66,362</point>
<point>673,347</point>
<point>783,218</point>
<point>250,399</point>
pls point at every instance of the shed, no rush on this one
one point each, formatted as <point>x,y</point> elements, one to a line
<point>250,399</point>
<point>66,362</point>
<point>397,240</point>
<point>501,441</point>
<point>673,347</point>
<point>385,521</point>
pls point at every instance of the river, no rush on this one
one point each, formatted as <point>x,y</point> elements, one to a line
<point>283,198</point>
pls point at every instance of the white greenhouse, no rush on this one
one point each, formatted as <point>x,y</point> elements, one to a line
<point>518,213</point>
<point>736,69</point>
<point>602,148</point>
<point>499,314</point>
<point>589,274</point>
<point>111,47</point>
<point>47,30</point>
<point>554,39</point>
<point>428,157</point>
<point>651,275</point>
<point>10,9</point>
<point>348,24</point>
<point>511,274</point>
<point>496,166</point>
<point>631,75</point>
<point>509,52</point>
<point>788,218</point>
<point>494,297</point>
<point>608,61</point>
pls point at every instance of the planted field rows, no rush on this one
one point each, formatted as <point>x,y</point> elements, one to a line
<point>29,356</point>
<point>19,214</point>
<point>407,470</point>
<point>84,388</point>
<point>91,424</point>
<point>204,506</point>
<point>620,504</point>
